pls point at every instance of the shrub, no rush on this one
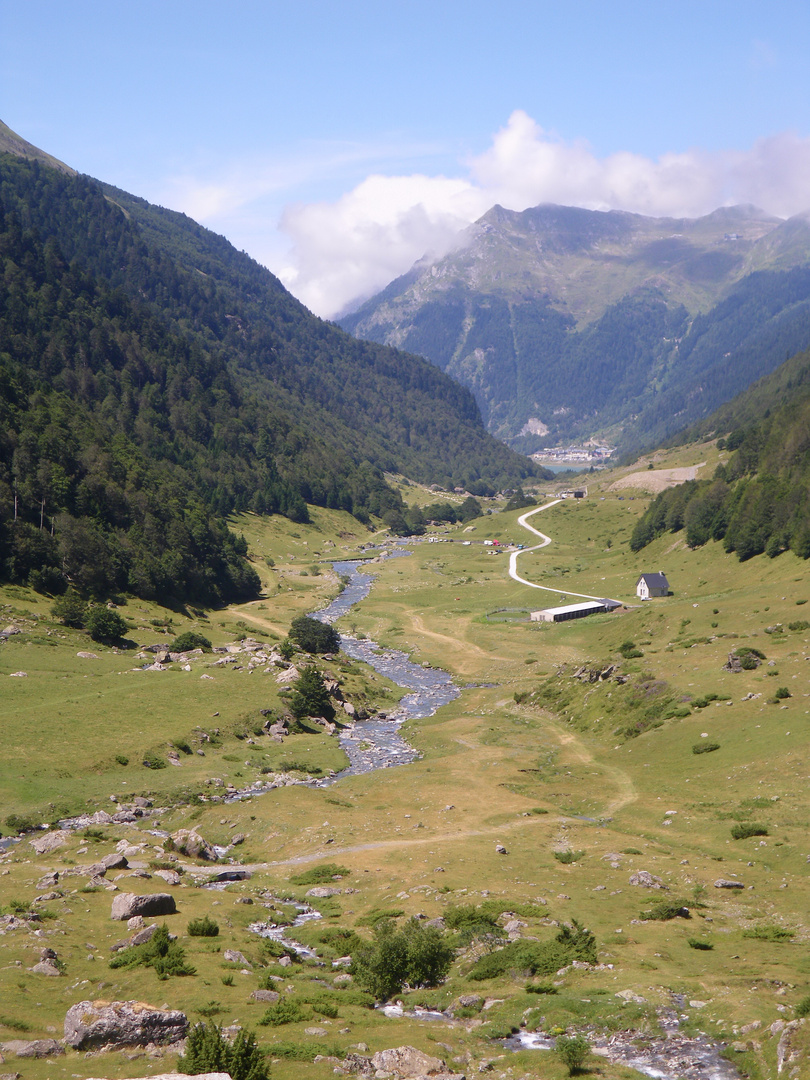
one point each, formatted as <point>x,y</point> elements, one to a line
<point>70,609</point>
<point>203,927</point>
<point>165,956</point>
<point>746,829</point>
<point>189,640</point>
<point>696,943</point>
<point>284,1011</point>
<point>22,823</point>
<point>800,624</point>
<point>782,693</point>
<point>666,910</point>
<point>419,955</point>
<point>102,624</point>
<point>572,1051</point>
<point>314,636</point>
<point>310,697</point>
<point>567,857</point>
<point>768,933</point>
<point>207,1050</point>
<point>541,988</point>
<point>152,760</point>
<point>472,924</point>
<point>538,957</point>
<point>629,651</point>
<point>122,759</point>
<point>803,1008</point>
<point>318,875</point>
<point>705,748</point>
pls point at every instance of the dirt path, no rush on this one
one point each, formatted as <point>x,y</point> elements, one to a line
<point>277,628</point>
<point>463,646</point>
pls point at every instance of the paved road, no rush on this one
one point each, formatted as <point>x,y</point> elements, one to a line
<point>513,558</point>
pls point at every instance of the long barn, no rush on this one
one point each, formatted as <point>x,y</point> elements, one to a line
<point>574,611</point>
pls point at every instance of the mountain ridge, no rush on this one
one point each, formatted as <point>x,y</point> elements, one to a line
<point>577,321</point>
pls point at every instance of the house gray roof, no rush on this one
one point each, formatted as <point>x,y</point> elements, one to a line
<point>655,581</point>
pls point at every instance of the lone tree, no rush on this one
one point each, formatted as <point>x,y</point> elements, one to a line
<point>573,1051</point>
<point>314,636</point>
<point>207,1051</point>
<point>104,625</point>
<point>310,697</point>
<point>417,955</point>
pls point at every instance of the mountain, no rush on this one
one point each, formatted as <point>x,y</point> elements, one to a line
<point>759,500</point>
<point>154,379</point>
<point>569,323</point>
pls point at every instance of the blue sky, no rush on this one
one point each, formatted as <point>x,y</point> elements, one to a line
<point>338,141</point>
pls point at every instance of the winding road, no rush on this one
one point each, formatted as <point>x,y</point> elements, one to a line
<point>546,540</point>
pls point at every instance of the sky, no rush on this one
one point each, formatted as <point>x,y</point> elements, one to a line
<point>338,141</point>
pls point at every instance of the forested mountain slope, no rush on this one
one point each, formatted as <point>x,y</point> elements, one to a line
<point>759,501</point>
<point>154,379</point>
<point>568,323</point>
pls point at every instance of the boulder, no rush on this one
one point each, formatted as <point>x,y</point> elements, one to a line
<point>646,880</point>
<point>322,891</point>
<point>33,1048</point>
<point>125,905</point>
<point>270,996</point>
<point>190,843</point>
<point>231,875</point>
<point>171,877</point>
<point>233,956</point>
<point>46,967</point>
<point>723,883</point>
<point>90,1024</point>
<point>48,881</point>
<point>50,841</point>
<point>408,1061</point>
<point>114,861</point>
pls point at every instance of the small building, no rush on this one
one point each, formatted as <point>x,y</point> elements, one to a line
<point>649,585</point>
<point>574,611</point>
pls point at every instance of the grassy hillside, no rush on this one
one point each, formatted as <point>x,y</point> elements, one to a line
<point>583,783</point>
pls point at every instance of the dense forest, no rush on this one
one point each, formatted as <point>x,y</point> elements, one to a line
<point>154,380</point>
<point>759,501</point>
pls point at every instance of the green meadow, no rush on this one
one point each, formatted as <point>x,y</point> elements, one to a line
<point>579,749</point>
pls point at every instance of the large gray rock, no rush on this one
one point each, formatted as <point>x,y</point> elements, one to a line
<point>50,841</point>
<point>33,1048</point>
<point>646,880</point>
<point>126,905</point>
<point>122,1023</point>
<point>724,883</point>
<point>190,843</point>
<point>408,1061</point>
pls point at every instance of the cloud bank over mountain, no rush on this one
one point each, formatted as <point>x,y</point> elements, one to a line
<point>345,250</point>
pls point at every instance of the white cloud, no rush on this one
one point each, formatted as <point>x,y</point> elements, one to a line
<point>342,250</point>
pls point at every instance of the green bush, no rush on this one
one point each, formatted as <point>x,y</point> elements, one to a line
<point>568,857</point>
<point>666,910</point>
<point>473,924</point>
<point>629,651</point>
<point>768,933</point>
<point>800,624</point>
<point>152,760</point>
<point>803,1008</point>
<point>284,1011</point>
<point>314,636</point>
<point>165,956</point>
<point>102,624</point>
<point>538,957</point>
<point>320,875</point>
<point>70,609</point>
<point>203,927</point>
<point>782,693</point>
<point>746,829</point>
<point>705,748</point>
<point>697,943</point>
<point>419,955</point>
<point>22,823</point>
<point>573,1051</point>
<point>207,1050</point>
<point>189,640</point>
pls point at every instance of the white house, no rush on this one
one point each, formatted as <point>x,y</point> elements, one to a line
<point>649,585</point>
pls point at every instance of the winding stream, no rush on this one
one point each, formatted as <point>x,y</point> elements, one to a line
<point>376,743</point>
